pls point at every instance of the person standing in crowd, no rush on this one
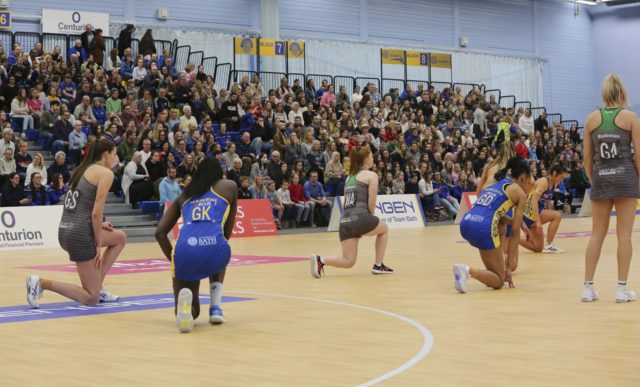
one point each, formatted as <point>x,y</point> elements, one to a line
<point>147,46</point>
<point>360,194</point>
<point>208,206</point>
<point>609,134</point>
<point>83,233</point>
<point>124,39</point>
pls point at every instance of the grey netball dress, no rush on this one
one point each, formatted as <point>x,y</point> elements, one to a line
<point>356,219</point>
<point>614,170</point>
<point>75,232</point>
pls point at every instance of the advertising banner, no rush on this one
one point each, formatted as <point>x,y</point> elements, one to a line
<point>468,200</point>
<point>270,47</point>
<point>59,21</point>
<point>29,227</point>
<point>416,58</point>
<point>392,56</point>
<point>245,46</point>
<point>296,50</point>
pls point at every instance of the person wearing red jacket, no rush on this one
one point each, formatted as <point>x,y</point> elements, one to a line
<point>296,191</point>
<point>522,150</point>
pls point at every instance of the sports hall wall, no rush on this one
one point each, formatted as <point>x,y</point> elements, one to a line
<point>545,53</point>
<point>616,40</point>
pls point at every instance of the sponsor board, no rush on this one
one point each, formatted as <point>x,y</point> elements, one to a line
<point>20,313</point>
<point>270,47</point>
<point>59,21</point>
<point>296,50</point>
<point>392,56</point>
<point>161,264</point>
<point>244,46</point>
<point>29,227</point>
<point>398,211</point>
<point>416,58</point>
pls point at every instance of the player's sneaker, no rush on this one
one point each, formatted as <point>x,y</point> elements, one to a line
<point>381,269</point>
<point>460,276</point>
<point>549,248</point>
<point>34,290</point>
<point>215,315</point>
<point>589,294</point>
<point>317,267</point>
<point>105,296</point>
<point>625,295</point>
<point>184,318</point>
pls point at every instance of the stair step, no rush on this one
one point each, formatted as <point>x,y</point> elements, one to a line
<point>141,239</point>
<point>114,200</point>
<point>126,210</point>
<point>133,218</point>
<point>146,223</point>
<point>139,231</point>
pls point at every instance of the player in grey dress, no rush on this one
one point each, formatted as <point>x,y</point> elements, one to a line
<point>82,232</point>
<point>613,172</point>
<point>360,195</point>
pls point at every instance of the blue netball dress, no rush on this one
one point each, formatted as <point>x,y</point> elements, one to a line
<point>480,226</point>
<point>201,249</point>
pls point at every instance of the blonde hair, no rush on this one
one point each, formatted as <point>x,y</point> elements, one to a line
<point>613,91</point>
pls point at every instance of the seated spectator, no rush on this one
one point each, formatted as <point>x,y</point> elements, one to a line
<point>154,167</point>
<point>259,168</point>
<point>302,207</point>
<point>59,166</point>
<point>294,150</point>
<point>7,164</point>
<point>398,187</point>
<point>37,165</point>
<point>243,188</point>
<point>57,189</point>
<point>135,181</point>
<point>411,187</point>
<point>20,109</point>
<point>334,175</point>
<point>289,213</point>
<point>37,192</point>
<point>276,204</point>
<point>61,131</point>
<point>446,199</point>
<point>258,189</point>
<point>244,147</point>
<point>187,167</point>
<point>235,172</point>
<point>23,158</point>
<point>78,51</point>
<point>169,187</point>
<point>315,195</point>
<point>77,142</point>
<point>13,194</point>
<point>114,103</point>
<point>579,180</point>
<point>7,140</point>
<point>127,148</point>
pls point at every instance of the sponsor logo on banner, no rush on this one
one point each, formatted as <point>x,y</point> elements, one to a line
<point>161,264</point>
<point>270,47</point>
<point>398,211</point>
<point>245,46</point>
<point>296,50</point>
<point>253,218</point>
<point>392,56</point>
<point>441,61</point>
<point>29,227</point>
<point>57,21</point>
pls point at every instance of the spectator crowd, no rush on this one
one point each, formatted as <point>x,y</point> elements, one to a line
<point>288,145</point>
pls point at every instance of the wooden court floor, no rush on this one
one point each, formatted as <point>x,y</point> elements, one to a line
<point>349,328</point>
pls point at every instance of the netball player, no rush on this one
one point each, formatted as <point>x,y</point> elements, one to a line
<point>505,153</point>
<point>208,207</point>
<point>360,194</point>
<point>481,226</point>
<point>613,173</point>
<point>82,232</point>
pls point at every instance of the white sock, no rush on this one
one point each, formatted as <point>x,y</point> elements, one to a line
<point>622,285</point>
<point>466,269</point>
<point>216,293</point>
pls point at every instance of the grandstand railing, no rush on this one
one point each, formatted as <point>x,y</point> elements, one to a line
<point>522,104</point>
<point>196,57</point>
<point>414,84</point>
<point>364,81</point>
<point>536,111</point>
<point>346,81</point>
<point>271,81</point>
<point>507,101</point>
<point>389,83</point>
<point>223,75</point>
<point>440,86</point>
<point>210,65</point>
<point>553,117</point>
<point>465,88</point>
<point>318,78</point>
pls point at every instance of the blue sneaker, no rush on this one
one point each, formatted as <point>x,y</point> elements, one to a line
<point>215,315</point>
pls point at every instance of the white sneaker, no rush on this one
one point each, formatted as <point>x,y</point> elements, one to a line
<point>460,277</point>
<point>105,296</point>
<point>589,294</point>
<point>317,267</point>
<point>549,248</point>
<point>184,318</point>
<point>34,290</point>
<point>625,295</point>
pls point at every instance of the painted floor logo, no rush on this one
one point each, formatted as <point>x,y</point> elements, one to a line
<point>20,313</point>
<point>162,264</point>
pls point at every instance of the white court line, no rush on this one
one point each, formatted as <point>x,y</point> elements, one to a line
<point>427,343</point>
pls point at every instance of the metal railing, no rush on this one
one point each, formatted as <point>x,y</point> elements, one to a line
<point>182,57</point>
<point>536,111</point>
<point>223,75</point>
<point>440,86</point>
<point>210,64</point>
<point>364,81</point>
<point>507,101</point>
<point>346,81</point>
<point>196,57</point>
<point>391,83</point>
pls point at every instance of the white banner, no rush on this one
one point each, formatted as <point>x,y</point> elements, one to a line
<point>398,211</point>
<point>29,227</point>
<point>58,21</point>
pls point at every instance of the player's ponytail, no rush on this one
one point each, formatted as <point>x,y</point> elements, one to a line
<point>558,167</point>
<point>516,166</point>
<point>96,150</point>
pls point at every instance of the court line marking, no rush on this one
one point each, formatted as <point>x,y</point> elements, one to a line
<point>427,336</point>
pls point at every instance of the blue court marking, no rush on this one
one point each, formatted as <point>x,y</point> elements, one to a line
<point>20,313</point>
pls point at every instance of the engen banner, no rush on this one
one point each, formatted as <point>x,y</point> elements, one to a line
<point>57,21</point>
<point>29,227</point>
<point>468,200</point>
<point>245,46</point>
<point>254,218</point>
<point>398,211</point>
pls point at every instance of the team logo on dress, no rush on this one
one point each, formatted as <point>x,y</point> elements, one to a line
<point>467,217</point>
<point>207,241</point>
<point>193,241</point>
<point>246,45</point>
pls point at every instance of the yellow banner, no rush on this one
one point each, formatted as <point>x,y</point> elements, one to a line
<point>441,61</point>
<point>270,47</point>
<point>245,46</point>
<point>416,58</point>
<point>392,56</point>
<point>296,50</point>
